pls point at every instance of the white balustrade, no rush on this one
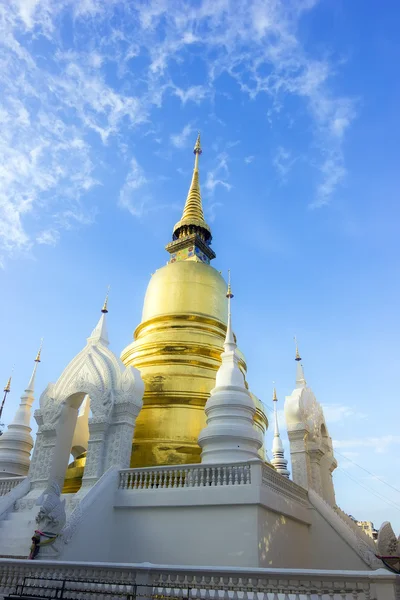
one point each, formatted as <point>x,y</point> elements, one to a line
<point>110,580</point>
<point>185,476</point>
<point>6,485</point>
<point>195,476</point>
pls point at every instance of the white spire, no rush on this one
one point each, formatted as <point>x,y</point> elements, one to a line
<point>278,460</point>
<point>230,435</point>
<point>229,345</point>
<point>99,334</point>
<point>300,379</point>
<point>16,443</point>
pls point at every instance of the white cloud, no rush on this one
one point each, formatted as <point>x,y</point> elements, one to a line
<point>195,93</point>
<point>379,444</point>
<point>333,172</point>
<point>249,159</point>
<point>218,175</point>
<point>283,162</point>
<point>337,412</point>
<point>130,196</point>
<point>180,140</point>
<point>56,106</point>
<point>48,237</point>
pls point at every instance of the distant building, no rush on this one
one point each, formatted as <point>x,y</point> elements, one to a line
<point>368,528</point>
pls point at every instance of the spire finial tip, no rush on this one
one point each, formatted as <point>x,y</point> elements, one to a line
<point>104,310</point>
<point>229,292</point>
<point>298,357</point>
<point>197,147</point>
<point>37,359</point>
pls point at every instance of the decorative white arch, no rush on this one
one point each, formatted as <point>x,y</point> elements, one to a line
<point>115,394</point>
<point>311,447</point>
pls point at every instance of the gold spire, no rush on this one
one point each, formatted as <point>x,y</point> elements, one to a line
<point>229,292</point>
<point>298,357</point>
<point>7,389</point>
<point>193,209</point>
<point>105,309</point>
<point>274,396</point>
<point>37,359</point>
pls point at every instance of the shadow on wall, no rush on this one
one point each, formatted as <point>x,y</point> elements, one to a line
<point>282,541</point>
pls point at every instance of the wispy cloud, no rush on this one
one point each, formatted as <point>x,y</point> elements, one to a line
<point>338,412</point>
<point>58,109</point>
<point>180,140</point>
<point>249,159</point>
<point>132,197</point>
<point>219,174</point>
<point>283,162</point>
<point>380,444</point>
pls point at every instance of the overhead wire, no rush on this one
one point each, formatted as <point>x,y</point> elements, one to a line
<point>367,471</point>
<point>377,494</point>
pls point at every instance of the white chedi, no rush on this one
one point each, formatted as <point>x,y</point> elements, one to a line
<point>278,461</point>
<point>229,435</point>
<point>16,443</point>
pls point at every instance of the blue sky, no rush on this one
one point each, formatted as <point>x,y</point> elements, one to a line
<point>297,105</point>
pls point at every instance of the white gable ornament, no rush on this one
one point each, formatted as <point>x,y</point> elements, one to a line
<point>115,395</point>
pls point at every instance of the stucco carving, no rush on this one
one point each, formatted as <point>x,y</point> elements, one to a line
<point>310,445</point>
<point>19,491</point>
<point>115,395</point>
<point>388,544</point>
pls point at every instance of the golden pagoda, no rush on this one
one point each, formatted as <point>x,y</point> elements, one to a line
<point>177,347</point>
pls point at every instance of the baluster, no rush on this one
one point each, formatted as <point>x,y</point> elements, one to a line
<point>247,471</point>
<point>235,475</point>
<point>240,475</point>
<point>176,474</point>
<point>229,471</point>
<point>367,591</point>
<point>168,479</point>
<point>183,477</point>
<point>219,475</point>
<point>212,476</point>
<point>201,471</point>
<point>224,475</point>
<point>189,478</point>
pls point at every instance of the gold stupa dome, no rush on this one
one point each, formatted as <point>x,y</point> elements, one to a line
<point>186,287</point>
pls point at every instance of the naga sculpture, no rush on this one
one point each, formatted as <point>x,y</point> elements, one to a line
<point>50,519</point>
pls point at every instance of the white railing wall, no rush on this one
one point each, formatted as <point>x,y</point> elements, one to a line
<point>184,476</point>
<point>6,485</point>
<point>108,580</point>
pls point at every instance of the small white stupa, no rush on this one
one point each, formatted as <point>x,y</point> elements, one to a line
<point>16,443</point>
<point>278,461</point>
<point>229,435</point>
